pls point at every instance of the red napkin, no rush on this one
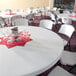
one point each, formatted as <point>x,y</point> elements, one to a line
<point>10,14</point>
<point>23,40</point>
<point>71,16</point>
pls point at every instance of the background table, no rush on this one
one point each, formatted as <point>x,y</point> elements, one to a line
<point>66,16</point>
<point>35,57</point>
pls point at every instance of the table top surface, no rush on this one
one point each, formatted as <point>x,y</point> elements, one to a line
<point>35,57</point>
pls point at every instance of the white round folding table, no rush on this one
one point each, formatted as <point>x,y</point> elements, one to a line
<point>35,57</point>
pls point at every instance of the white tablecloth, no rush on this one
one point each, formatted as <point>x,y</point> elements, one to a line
<point>7,15</point>
<point>66,16</point>
<point>35,57</point>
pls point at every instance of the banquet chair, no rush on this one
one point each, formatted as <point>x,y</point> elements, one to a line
<point>19,11</point>
<point>2,22</point>
<point>14,18</point>
<point>48,13</point>
<point>46,24</point>
<point>68,58</point>
<point>58,71</point>
<point>48,8</point>
<point>7,11</point>
<point>54,8</point>
<point>39,9</point>
<point>66,20</point>
<point>30,17</point>
<point>54,18</point>
<point>28,11</point>
<point>66,12</point>
<point>21,22</point>
<point>32,8</point>
<point>66,32</point>
<point>35,11</point>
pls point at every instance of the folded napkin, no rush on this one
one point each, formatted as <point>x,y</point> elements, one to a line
<point>20,40</point>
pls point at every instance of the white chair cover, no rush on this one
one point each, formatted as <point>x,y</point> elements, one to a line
<point>19,11</point>
<point>66,12</point>
<point>28,11</point>
<point>68,58</point>
<point>14,18</point>
<point>21,22</point>
<point>58,71</point>
<point>66,20</point>
<point>67,30</point>
<point>54,8</point>
<point>46,24</point>
<point>52,16</point>
<point>2,22</point>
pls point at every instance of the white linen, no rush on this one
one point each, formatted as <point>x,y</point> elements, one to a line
<point>35,57</point>
<point>66,16</point>
<point>9,16</point>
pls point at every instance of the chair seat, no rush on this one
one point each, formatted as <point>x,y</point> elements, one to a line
<point>68,58</point>
<point>58,71</point>
<point>48,24</point>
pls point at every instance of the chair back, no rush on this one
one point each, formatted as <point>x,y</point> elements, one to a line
<point>2,22</point>
<point>21,22</point>
<point>30,16</point>
<point>46,24</point>
<point>14,18</point>
<point>48,13</point>
<point>8,11</point>
<point>28,11</point>
<point>54,8</point>
<point>19,11</point>
<point>66,12</point>
<point>35,11</point>
<point>66,20</point>
<point>67,30</point>
<point>52,16</point>
<point>48,8</point>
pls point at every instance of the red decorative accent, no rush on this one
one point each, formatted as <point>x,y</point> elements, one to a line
<point>23,38</point>
<point>71,16</point>
<point>10,14</point>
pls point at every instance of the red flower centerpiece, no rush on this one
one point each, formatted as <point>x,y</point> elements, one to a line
<point>16,39</point>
